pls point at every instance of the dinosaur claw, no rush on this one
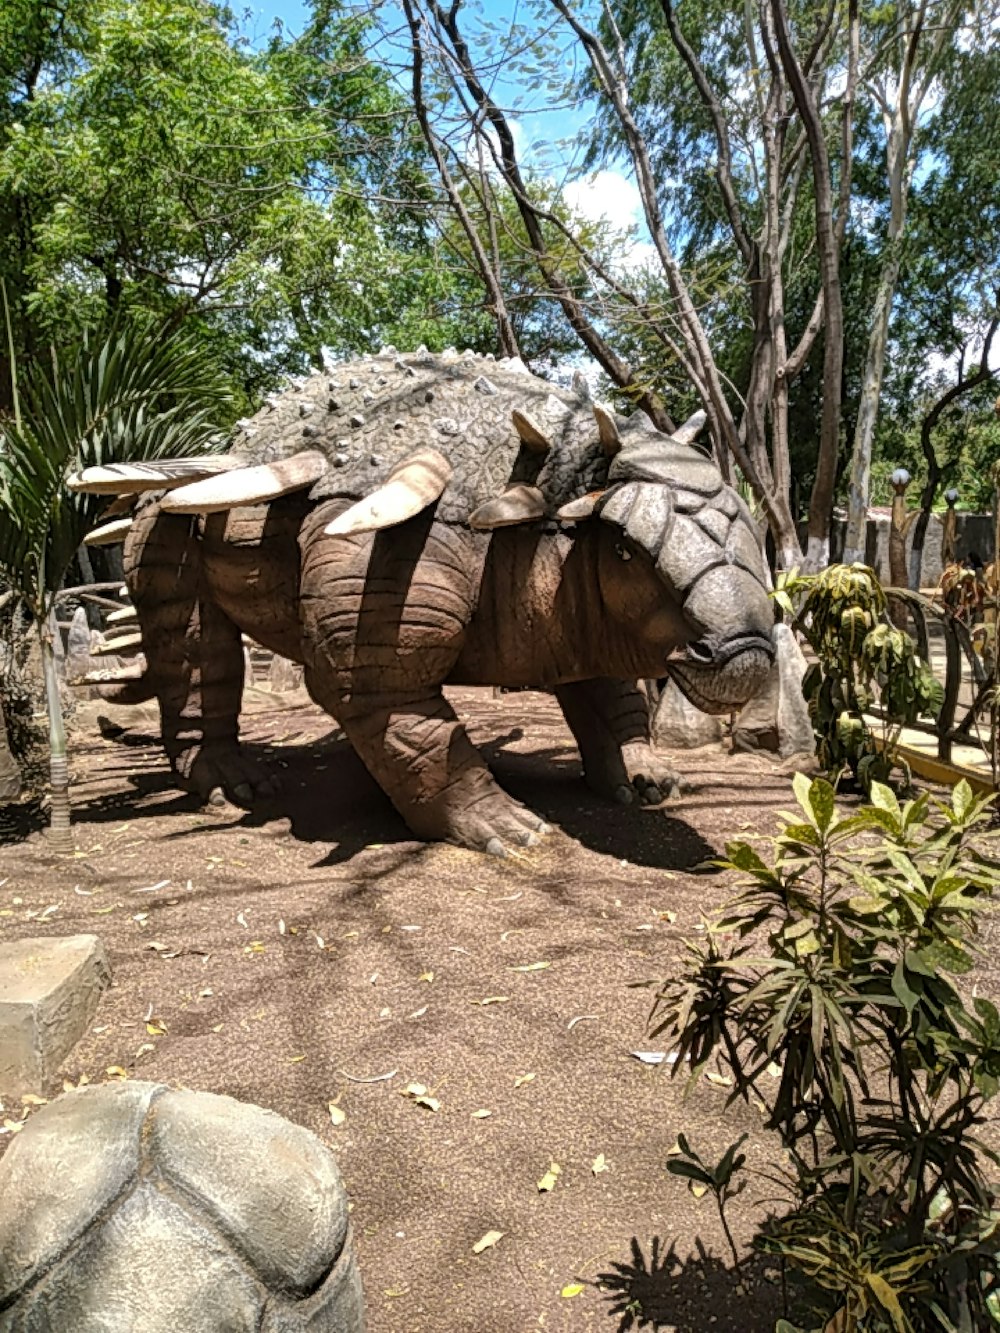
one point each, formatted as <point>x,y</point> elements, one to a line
<point>243,792</point>
<point>217,797</point>
<point>496,848</point>
<point>624,795</point>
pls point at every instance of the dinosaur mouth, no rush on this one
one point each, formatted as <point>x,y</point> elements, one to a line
<point>726,686</point>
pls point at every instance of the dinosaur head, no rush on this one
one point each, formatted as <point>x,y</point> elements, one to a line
<point>671,523</point>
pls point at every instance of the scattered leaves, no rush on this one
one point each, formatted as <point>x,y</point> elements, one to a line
<point>522,1079</point>
<point>531,967</point>
<point>481,1115</point>
<point>426,976</point>
<point>571,1289</point>
<point>421,1095</point>
<point>599,1164</point>
<point>487,1242</point>
<point>548,1181</point>
<point>336,1114</point>
<point>492,999</point>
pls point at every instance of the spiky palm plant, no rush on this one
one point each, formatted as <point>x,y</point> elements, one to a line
<point>133,393</point>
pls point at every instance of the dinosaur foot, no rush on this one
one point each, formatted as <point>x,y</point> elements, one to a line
<point>648,778</point>
<point>496,824</point>
<point>218,773</point>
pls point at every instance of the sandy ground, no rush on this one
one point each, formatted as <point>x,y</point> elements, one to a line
<point>290,956</point>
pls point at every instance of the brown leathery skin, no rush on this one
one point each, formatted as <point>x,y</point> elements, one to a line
<point>194,653</point>
<point>667,569</point>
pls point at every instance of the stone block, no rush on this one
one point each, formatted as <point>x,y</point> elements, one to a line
<point>49,989</point>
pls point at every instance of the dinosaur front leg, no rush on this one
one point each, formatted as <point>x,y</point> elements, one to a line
<point>194,654</point>
<point>419,753</point>
<point>610,721</point>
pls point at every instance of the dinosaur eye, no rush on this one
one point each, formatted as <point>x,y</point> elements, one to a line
<point>622,551</point>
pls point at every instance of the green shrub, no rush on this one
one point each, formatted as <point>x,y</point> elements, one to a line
<point>862,661</point>
<point>828,992</point>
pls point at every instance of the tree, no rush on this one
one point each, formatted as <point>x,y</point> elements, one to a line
<point>152,160</point>
<point>702,71</point>
<point>140,392</point>
<point>909,45</point>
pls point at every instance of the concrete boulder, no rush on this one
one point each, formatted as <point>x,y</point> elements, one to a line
<point>676,723</point>
<point>777,718</point>
<point>134,1206</point>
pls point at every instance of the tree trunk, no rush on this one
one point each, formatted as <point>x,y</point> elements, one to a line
<point>59,827</point>
<point>871,391</point>
<point>10,774</point>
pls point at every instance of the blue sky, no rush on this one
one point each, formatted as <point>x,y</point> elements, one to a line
<point>609,195</point>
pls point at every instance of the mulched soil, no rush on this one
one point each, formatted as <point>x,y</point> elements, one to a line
<point>271,955</point>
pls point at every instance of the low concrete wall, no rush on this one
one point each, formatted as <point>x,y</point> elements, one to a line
<point>974,533</point>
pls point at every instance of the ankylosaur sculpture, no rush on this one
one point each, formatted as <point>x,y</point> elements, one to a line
<point>405,522</point>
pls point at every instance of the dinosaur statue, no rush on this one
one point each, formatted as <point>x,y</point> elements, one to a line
<point>406,522</point>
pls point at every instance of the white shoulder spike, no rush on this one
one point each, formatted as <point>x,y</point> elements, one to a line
<point>157,475</point>
<point>125,643</point>
<point>577,510</point>
<point>689,431</point>
<point>518,504</point>
<point>410,487</point>
<point>108,533</point>
<point>607,430</point>
<point>532,435</point>
<point>247,485</point>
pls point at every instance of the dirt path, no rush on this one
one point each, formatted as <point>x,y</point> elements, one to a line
<point>271,956</point>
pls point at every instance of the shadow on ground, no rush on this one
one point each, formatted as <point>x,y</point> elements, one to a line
<point>662,1291</point>
<point>328,797</point>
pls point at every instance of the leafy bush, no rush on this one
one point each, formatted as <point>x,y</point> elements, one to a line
<point>862,661</point>
<point>828,993</point>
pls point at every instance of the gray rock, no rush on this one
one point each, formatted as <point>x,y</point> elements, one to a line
<point>677,724</point>
<point>49,990</point>
<point>794,725</point>
<point>284,675</point>
<point>134,1206</point>
<point>777,719</point>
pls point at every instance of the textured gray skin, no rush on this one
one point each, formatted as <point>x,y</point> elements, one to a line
<point>666,574</point>
<point>136,1207</point>
<point>367,416</point>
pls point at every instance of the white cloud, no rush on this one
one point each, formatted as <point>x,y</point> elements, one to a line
<point>606,196</point>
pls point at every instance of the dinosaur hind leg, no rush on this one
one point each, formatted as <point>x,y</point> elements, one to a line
<point>195,657</point>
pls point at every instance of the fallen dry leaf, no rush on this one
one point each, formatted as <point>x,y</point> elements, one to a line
<point>336,1114</point>
<point>571,1289</point>
<point>598,1164</point>
<point>548,1181</point>
<point>481,1115</point>
<point>487,1242</point>
<point>426,976</point>
<point>492,999</point>
<point>697,1189</point>
<point>522,1079</point>
<point>532,967</point>
<point>421,1095</point>
<point>419,1013</point>
<point>720,1080</point>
